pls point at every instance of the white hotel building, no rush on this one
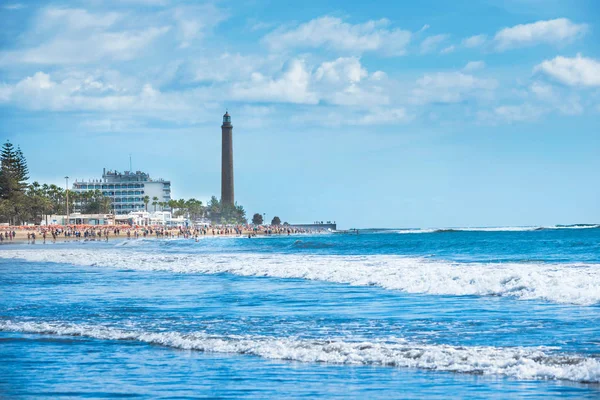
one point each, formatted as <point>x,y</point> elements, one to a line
<point>128,189</point>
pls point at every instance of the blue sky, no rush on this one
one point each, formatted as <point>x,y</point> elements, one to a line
<point>373,114</point>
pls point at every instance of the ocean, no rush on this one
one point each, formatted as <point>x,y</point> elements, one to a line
<point>405,313</point>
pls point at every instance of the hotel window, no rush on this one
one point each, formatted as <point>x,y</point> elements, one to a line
<point>118,192</point>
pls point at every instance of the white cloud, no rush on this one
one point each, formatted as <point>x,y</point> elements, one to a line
<point>542,90</point>
<point>87,93</point>
<point>448,49</point>
<point>555,31</point>
<point>74,19</point>
<point>344,69</point>
<point>227,67</point>
<point>383,116</point>
<point>291,87</point>
<point>77,50</point>
<point>564,102</point>
<point>474,41</point>
<point>74,36</point>
<point>431,43</point>
<point>451,87</point>
<point>518,113</point>
<point>343,82</point>
<point>474,66</point>
<point>337,117</point>
<point>194,21</point>
<point>577,71</point>
<point>333,33</point>
<point>378,76</point>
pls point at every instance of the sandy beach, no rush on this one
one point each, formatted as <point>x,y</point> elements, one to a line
<point>37,234</point>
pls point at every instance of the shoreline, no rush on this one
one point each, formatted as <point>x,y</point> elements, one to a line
<point>21,237</point>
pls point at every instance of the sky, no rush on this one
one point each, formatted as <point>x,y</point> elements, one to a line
<point>370,114</point>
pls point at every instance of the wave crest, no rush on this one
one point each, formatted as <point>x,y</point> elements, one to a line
<point>517,362</point>
<point>560,283</point>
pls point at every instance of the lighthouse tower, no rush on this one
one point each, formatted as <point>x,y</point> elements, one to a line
<point>227,161</point>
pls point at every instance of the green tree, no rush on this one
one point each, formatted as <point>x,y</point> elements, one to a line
<point>106,204</point>
<point>9,171</point>
<point>194,209</point>
<point>275,221</point>
<point>13,184</point>
<point>38,202</point>
<point>214,209</point>
<point>173,206</point>
<point>257,219</point>
<point>240,214</point>
<point>146,200</point>
<point>154,202</point>
<point>22,170</point>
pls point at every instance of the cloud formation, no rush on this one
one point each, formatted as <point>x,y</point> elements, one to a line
<point>293,86</point>
<point>451,87</point>
<point>577,71</point>
<point>556,31</point>
<point>76,36</point>
<point>474,41</point>
<point>333,33</point>
<point>431,43</point>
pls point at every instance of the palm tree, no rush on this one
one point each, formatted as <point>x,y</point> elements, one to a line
<point>172,205</point>
<point>154,202</point>
<point>146,200</point>
<point>106,202</point>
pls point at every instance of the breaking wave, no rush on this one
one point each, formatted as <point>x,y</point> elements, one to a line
<point>561,283</point>
<point>494,229</point>
<point>516,362</point>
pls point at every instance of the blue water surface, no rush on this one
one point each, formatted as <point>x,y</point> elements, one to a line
<point>82,329</point>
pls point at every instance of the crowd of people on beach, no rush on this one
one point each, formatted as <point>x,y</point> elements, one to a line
<point>55,233</point>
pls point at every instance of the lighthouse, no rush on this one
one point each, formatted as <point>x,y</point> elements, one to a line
<point>227,161</point>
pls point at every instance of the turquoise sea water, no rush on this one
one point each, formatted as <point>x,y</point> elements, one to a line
<point>492,313</point>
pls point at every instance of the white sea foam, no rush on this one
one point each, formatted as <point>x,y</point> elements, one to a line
<point>495,229</point>
<point>560,283</point>
<point>517,362</point>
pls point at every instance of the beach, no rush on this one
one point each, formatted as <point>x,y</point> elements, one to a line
<point>38,234</point>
